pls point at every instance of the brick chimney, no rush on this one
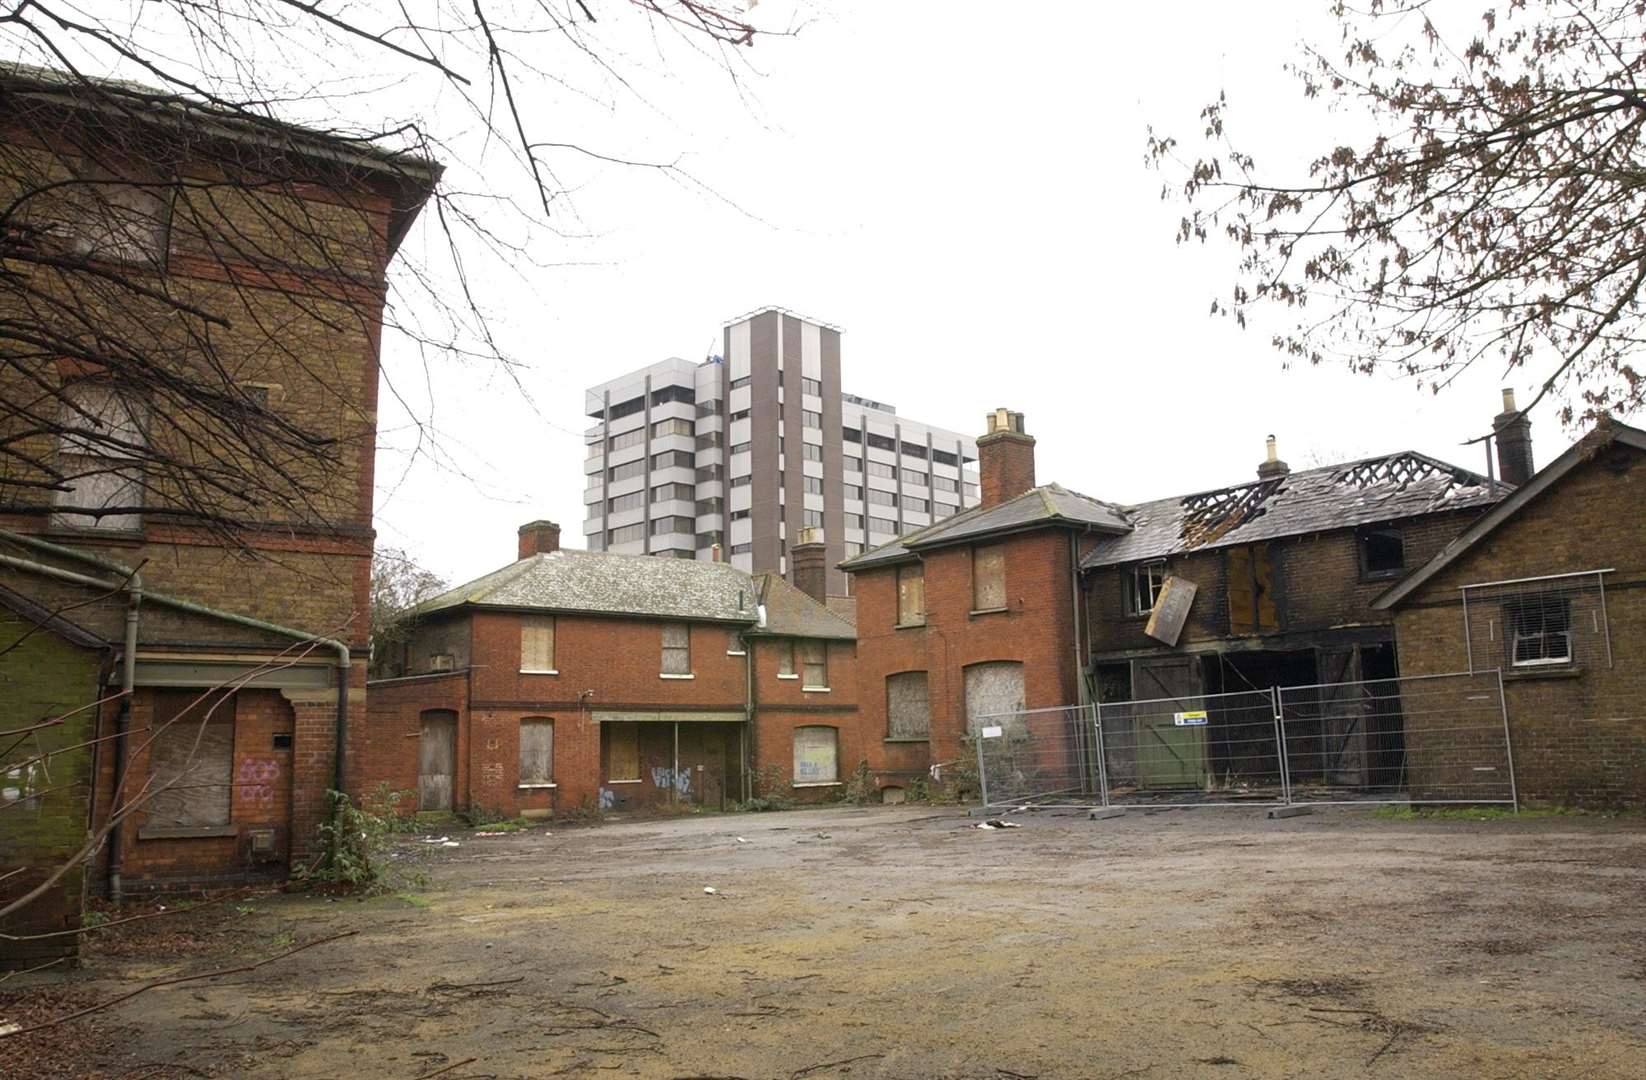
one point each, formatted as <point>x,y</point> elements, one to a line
<point>1005,458</point>
<point>1272,466</point>
<point>1514,442</point>
<point>808,565</point>
<point>539,538</point>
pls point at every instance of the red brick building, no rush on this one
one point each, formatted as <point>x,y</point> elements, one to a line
<point>1549,588</point>
<point>576,680</point>
<point>227,654</point>
<point>974,616</point>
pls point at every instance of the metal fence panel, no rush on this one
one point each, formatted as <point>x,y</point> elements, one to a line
<point>1432,739</point>
<point>1040,757</point>
<point>1194,750</point>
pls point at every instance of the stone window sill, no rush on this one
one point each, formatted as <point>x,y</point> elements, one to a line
<point>820,783</point>
<point>988,611</point>
<point>636,780</point>
<point>816,690</point>
<point>1543,671</point>
<point>538,671</point>
<point>780,675</point>
<point>909,626</point>
<point>907,739</point>
<point>535,787</point>
<point>180,832</point>
<point>666,675</point>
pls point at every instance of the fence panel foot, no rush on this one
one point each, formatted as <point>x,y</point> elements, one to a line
<point>1105,813</point>
<point>1289,811</point>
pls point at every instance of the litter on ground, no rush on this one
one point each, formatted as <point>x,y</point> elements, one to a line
<point>997,823</point>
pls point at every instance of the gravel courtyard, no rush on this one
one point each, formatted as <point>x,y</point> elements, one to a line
<point>902,942</point>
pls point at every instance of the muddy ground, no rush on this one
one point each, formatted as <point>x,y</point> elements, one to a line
<point>901,942</point>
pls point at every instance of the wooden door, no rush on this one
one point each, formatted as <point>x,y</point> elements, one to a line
<point>436,760</point>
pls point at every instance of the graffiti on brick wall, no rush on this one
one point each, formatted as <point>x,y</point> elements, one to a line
<point>608,798</point>
<point>256,780</point>
<point>663,776</point>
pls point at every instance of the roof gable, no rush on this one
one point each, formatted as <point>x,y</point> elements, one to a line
<point>1607,433</point>
<point>790,612</point>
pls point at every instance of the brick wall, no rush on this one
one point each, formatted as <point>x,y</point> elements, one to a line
<point>1036,629</point>
<point>43,804</point>
<point>781,705</point>
<point>1579,735</point>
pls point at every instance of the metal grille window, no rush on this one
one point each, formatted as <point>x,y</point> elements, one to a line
<point>911,595</point>
<point>536,750</point>
<point>1143,586</point>
<point>537,643</point>
<point>677,649</point>
<point>989,578</point>
<point>908,708</point>
<point>814,656</point>
<point>1527,623</point>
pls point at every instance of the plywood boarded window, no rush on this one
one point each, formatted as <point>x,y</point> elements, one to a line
<point>622,751</point>
<point>815,656</point>
<point>537,643</point>
<point>908,709</point>
<point>104,430</point>
<point>677,649</point>
<point>816,755</point>
<point>191,762</point>
<point>785,659</point>
<point>994,691</point>
<point>537,750</point>
<point>1251,590</point>
<point>989,577</point>
<point>911,595</point>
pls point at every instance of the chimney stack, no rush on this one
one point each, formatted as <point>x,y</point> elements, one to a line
<point>1272,466</point>
<point>1005,458</point>
<point>1514,442</point>
<point>808,565</point>
<point>539,538</point>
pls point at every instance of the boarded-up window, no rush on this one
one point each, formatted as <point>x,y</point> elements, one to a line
<point>815,656</point>
<point>734,643</point>
<point>191,762</point>
<point>911,595</point>
<point>537,643</point>
<point>622,751</point>
<point>677,649</point>
<point>994,694</point>
<point>908,710</point>
<point>816,755</point>
<point>989,577</point>
<point>1251,590</point>
<point>104,431</point>
<point>537,750</point>
<point>785,659</point>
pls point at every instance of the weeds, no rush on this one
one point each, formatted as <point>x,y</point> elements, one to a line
<point>355,839</point>
<point>1484,813</point>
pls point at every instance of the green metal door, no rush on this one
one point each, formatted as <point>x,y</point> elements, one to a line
<point>1170,755</point>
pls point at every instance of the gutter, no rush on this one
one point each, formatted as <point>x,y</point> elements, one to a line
<point>133,587</point>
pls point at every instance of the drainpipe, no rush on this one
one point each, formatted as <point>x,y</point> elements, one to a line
<point>133,586</point>
<point>753,751</point>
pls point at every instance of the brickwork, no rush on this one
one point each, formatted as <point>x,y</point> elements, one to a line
<point>1579,734</point>
<point>42,804</point>
<point>1036,629</point>
<point>783,704</point>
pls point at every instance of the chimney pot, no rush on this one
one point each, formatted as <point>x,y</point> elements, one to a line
<point>1514,442</point>
<point>539,538</point>
<point>1272,466</point>
<point>1005,458</point>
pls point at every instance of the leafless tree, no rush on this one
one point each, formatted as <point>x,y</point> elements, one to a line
<point>398,584</point>
<point>1493,210</point>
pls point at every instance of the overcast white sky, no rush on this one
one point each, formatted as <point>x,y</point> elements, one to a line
<point>967,198</point>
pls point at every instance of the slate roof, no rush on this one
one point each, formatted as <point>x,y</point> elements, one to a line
<point>1049,504</point>
<point>792,613</point>
<point>1364,492</point>
<point>601,583</point>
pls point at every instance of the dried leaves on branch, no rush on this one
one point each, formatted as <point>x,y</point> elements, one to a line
<point>1493,212</point>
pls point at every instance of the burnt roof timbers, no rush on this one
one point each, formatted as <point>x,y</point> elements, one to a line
<point>1209,515</point>
<point>1401,470</point>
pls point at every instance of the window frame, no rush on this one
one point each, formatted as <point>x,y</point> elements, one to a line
<point>925,683</point>
<point>520,778</point>
<point>676,649</point>
<point>994,553</point>
<point>814,658</point>
<point>1130,586</point>
<point>528,622</point>
<point>1363,539</point>
<point>1515,610</point>
<point>912,572</point>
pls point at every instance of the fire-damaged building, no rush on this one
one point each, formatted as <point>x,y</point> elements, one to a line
<point>576,680</point>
